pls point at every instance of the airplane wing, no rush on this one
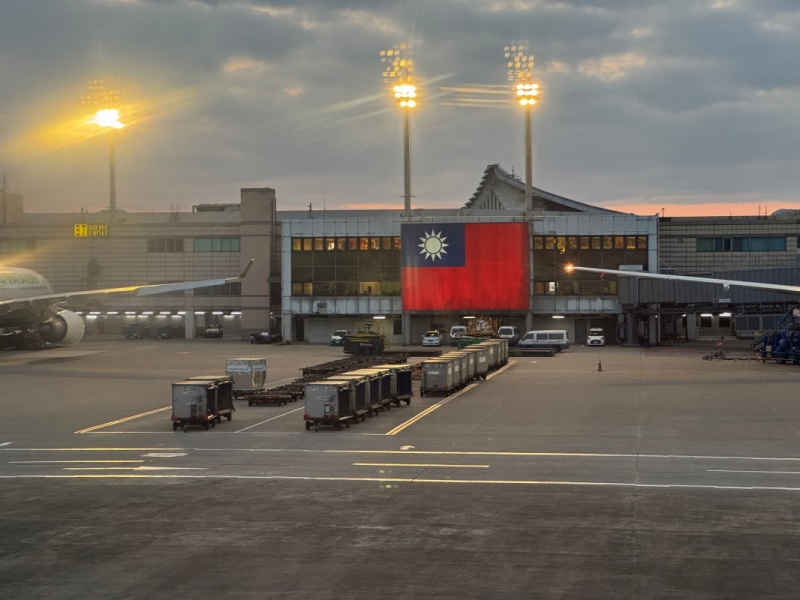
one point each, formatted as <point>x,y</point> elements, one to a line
<point>775,287</point>
<point>139,290</point>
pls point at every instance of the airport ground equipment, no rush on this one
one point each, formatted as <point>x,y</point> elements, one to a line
<point>193,403</point>
<point>481,354</point>
<point>403,389</point>
<point>328,403</point>
<point>223,394</point>
<point>468,367</point>
<point>440,376</point>
<point>366,341</point>
<point>249,375</point>
<point>382,380</point>
<point>360,391</point>
<point>783,344</point>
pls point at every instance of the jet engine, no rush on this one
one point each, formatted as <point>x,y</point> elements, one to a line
<point>64,328</point>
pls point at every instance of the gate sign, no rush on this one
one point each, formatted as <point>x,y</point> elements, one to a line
<point>90,229</point>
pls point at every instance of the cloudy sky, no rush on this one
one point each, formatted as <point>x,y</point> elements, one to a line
<point>692,107</point>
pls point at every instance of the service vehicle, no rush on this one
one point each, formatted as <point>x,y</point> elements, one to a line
<point>264,337</point>
<point>337,337</point>
<point>510,333</point>
<point>596,337</point>
<point>558,339</point>
<point>432,338</point>
<point>456,333</point>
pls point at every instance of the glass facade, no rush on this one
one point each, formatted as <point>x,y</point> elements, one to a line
<point>346,266</point>
<point>369,265</point>
<point>551,254</point>
<point>742,244</point>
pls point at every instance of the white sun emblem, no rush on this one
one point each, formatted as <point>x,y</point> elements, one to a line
<point>433,245</point>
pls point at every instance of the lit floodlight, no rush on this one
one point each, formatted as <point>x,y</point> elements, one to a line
<point>108,117</point>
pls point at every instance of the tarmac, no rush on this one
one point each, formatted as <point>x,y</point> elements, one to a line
<point>599,473</point>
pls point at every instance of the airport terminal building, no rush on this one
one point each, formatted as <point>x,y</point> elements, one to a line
<point>317,271</point>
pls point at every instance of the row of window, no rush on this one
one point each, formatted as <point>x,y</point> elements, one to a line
<point>226,244</point>
<point>346,288</point>
<point>590,242</point>
<point>741,244</point>
<point>345,244</point>
<point>572,242</point>
<point>392,288</point>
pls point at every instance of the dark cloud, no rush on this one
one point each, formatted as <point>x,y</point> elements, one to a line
<point>698,100</point>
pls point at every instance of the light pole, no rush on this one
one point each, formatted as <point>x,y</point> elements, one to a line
<point>109,118</point>
<point>398,70</point>
<point>520,65</point>
<point>405,95</point>
<point>526,94</point>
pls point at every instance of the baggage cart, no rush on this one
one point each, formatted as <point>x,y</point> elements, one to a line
<point>328,403</point>
<point>249,375</point>
<point>438,376</point>
<point>403,389</point>
<point>382,385</point>
<point>359,392</point>
<point>223,394</point>
<point>193,403</point>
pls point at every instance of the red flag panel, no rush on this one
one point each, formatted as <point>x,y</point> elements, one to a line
<point>465,266</point>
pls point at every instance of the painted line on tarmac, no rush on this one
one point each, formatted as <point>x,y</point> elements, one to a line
<point>767,472</point>
<point>543,483</point>
<point>270,419</point>
<point>424,465</point>
<point>69,462</point>
<point>429,410</point>
<point>788,459</point>
<point>118,421</point>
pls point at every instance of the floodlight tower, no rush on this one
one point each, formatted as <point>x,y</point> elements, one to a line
<point>398,74</point>
<point>520,66</point>
<point>107,116</point>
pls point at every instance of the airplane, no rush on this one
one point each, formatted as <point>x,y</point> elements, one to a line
<point>31,315</point>
<point>726,283</point>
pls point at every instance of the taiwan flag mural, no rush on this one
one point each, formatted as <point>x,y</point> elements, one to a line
<point>465,266</point>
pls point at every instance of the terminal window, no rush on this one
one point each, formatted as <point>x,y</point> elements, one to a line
<point>552,253</point>
<point>742,244</point>
<point>165,245</point>
<point>346,266</point>
<point>226,244</point>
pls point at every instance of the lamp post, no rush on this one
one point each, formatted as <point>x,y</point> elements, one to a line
<point>405,95</point>
<point>520,65</point>
<point>108,118</point>
<point>398,71</point>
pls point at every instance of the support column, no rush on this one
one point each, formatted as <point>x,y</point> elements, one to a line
<point>406,325</point>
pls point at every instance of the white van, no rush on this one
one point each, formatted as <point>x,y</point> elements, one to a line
<point>545,338</point>
<point>510,333</point>
<point>456,333</point>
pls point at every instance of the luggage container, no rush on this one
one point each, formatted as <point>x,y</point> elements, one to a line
<point>249,375</point>
<point>439,376</point>
<point>481,354</point>
<point>467,364</point>
<point>194,403</point>
<point>328,403</point>
<point>491,355</point>
<point>403,384</point>
<point>386,384</point>
<point>223,397</point>
<point>359,393</point>
<point>375,401</point>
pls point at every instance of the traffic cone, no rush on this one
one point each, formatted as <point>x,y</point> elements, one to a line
<point>599,365</point>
